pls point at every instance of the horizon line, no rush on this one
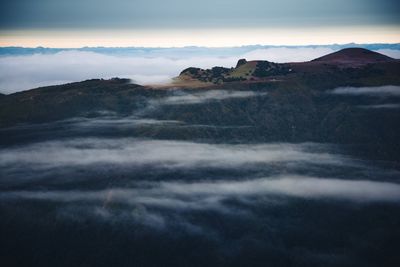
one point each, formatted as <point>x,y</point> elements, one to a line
<point>202,46</point>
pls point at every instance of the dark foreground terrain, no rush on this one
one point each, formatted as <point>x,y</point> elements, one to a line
<point>295,168</point>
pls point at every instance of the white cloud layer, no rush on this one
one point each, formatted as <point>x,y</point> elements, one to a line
<point>210,195</point>
<point>23,72</point>
<point>390,52</point>
<point>380,106</point>
<point>184,98</point>
<point>170,154</point>
<point>377,90</point>
<point>116,121</point>
<point>51,165</point>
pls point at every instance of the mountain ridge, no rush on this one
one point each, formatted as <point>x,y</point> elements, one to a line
<point>354,60</point>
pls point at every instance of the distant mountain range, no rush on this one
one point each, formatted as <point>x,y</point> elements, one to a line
<point>181,51</point>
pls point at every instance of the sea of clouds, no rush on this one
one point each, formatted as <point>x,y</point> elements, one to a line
<point>26,71</point>
<point>159,183</point>
<point>29,164</point>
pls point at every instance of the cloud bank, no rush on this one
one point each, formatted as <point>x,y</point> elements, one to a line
<point>25,72</point>
<point>390,52</point>
<point>21,72</point>
<point>211,195</point>
<point>113,121</point>
<point>168,154</point>
<point>380,106</point>
<point>377,91</point>
<point>198,97</point>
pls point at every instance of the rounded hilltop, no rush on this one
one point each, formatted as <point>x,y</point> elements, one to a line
<point>354,55</point>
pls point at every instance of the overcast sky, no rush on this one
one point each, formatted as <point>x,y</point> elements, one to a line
<point>44,14</point>
<point>148,21</point>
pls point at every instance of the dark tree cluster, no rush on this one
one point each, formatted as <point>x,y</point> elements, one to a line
<point>265,69</point>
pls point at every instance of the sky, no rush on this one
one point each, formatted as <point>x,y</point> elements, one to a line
<point>185,27</point>
<point>161,23</point>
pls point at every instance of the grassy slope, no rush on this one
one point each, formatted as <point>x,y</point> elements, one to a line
<point>244,71</point>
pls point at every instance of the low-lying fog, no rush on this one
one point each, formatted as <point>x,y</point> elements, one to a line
<point>283,203</point>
